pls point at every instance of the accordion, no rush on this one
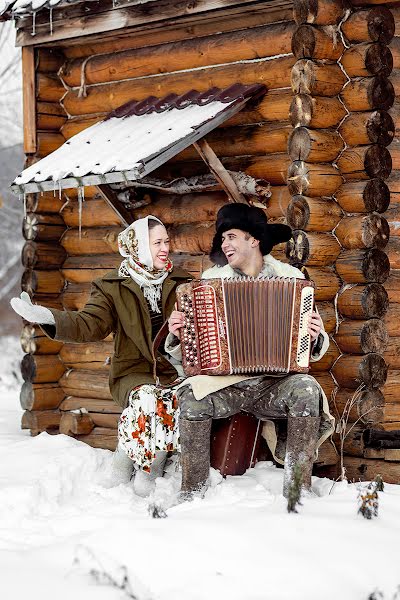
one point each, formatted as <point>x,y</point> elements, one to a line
<point>245,325</point>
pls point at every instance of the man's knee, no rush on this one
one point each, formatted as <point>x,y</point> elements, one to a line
<point>305,396</point>
<point>192,409</point>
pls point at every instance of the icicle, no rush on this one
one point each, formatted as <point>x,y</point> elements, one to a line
<point>59,189</point>
<point>80,209</point>
<point>24,205</point>
<point>54,188</point>
<point>33,23</point>
<point>51,20</point>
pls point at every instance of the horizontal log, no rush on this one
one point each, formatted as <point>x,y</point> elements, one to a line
<point>75,423</point>
<point>46,202</point>
<point>363,266</point>
<point>173,209</point>
<point>392,353</point>
<point>47,301</point>
<point>315,249</point>
<point>42,282</point>
<point>48,142</point>
<point>375,127</point>
<point>83,356</point>
<point>361,337</point>
<point>317,43</point>
<point>95,213</point>
<point>193,239</point>
<point>363,469</point>
<point>101,437</point>
<point>350,371</point>
<point>40,396</point>
<point>313,214</point>
<point>327,283</point>
<point>314,145</point>
<point>368,93</point>
<point>327,455</point>
<point>42,256</point>
<point>328,359</point>
<point>370,25</point>
<point>395,79</point>
<point>364,60</point>
<point>48,60</point>
<point>54,109</point>
<point>363,231</point>
<point>45,122</point>
<point>326,381</point>
<point>92,405</point>
<point>392,216</point>
<point>273,168</point>
<point>316,79</point>
<point>395,49</point>
<point>315,112</point>
<point>393,183</point>
<point>49,88</point>
<point>328,316</point>
<point>43,228</point>
<point>34,341</point>
<point>392,286</point>
<point>393,252</point>
<point>363,301</point>
<point>75,295</point>
<point>40,420</point>
<point>41,368</point>
<point>313,180</point>
<point>93,240</point>
<point>391,388</point>
<point>84,269</point>
<point>86,384</point>
<point>252,140</point>
<point>392,320</point>
<point>365,162</point>
<point>363,405</point>
<point>188,54</point>
<point>364,196</point>
<point>318,12</point>
<point>272,73</point>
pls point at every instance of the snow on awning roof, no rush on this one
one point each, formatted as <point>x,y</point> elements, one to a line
<point>135,139</point>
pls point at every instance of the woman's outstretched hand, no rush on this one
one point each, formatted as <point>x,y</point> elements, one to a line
<point>175,322</point>
<point>32,312</point>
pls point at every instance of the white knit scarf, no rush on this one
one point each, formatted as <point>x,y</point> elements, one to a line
<point>134,245</point>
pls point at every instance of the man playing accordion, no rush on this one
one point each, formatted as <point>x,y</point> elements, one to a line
<point>241,248</point>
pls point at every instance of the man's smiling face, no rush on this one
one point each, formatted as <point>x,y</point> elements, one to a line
<point>239,248</point>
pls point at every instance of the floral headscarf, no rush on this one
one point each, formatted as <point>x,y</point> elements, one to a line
<point>134,245</point>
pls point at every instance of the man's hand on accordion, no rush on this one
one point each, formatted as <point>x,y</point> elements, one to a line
<point>176,322</point>
<point>314,326</point>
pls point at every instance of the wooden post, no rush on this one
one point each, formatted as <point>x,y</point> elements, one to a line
<point>29,99</point>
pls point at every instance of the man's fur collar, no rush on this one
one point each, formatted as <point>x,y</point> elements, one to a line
<point>272,268</point>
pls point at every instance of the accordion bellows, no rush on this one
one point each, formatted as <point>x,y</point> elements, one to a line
<point>246,325</point>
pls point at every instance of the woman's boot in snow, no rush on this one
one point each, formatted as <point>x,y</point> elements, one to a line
<point>121,467</point>
<point>195,456</point>
<point>144,482</point>
<point>302,438</point>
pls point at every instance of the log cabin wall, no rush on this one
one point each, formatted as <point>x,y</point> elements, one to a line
<point>310,137</point>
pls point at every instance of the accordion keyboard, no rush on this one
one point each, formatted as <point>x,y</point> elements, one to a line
<point>304,341</point>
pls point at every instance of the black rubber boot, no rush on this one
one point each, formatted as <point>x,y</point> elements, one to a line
<point>302,438</point>
<point>195,456</point>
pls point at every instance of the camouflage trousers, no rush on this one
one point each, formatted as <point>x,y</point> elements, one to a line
<point>265,397</point>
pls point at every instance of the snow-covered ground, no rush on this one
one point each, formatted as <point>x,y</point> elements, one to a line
<point>59,522</point>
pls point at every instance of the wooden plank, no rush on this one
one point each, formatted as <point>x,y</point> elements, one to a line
<point>112,19</point>
<point>29,100</point>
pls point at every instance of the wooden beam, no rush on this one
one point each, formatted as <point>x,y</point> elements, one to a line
<point>218,170</point>
<point>29,99</point>
<point>113,201</point>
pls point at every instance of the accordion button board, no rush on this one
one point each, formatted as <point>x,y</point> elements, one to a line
<point>246,325</point>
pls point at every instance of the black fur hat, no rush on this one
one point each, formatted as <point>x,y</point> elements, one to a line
<point>252,220</point>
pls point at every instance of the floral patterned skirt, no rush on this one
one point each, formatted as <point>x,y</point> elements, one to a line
<point>149,423</point>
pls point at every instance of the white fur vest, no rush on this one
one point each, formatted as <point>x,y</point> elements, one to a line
<point>272,268</point>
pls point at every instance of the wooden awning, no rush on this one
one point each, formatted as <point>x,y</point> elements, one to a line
<point>134,139</point>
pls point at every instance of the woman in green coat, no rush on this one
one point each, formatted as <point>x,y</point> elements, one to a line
<point>131,302</point>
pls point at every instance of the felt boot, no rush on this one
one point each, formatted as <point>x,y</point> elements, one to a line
<point>144,482</point>
<point>121,468</point>
<point>195,456</point>
<point>302,438</point>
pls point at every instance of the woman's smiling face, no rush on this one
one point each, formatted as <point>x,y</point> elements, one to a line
<point>159,246</point>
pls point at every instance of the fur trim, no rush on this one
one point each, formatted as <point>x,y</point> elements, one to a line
<point>272,268</point>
